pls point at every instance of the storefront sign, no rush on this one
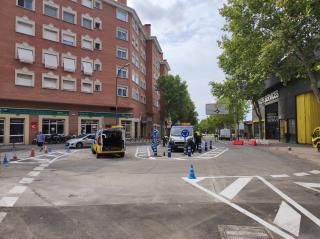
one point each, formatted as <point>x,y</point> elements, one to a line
<point>33,112</point>
<point>269,98</point>
<point>106,114</point>
<point>34,126</point>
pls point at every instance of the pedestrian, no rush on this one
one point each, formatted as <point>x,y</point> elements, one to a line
<point>40,140</point>
<point>197,138</point>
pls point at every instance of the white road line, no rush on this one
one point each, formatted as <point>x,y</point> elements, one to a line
<point>2,216</point>
<point>34,174</point>
<point>292,202</point>
<point>17,190</point>
<point>149,153</point>
<point>315,172</point>
<point>8,201</point>
<point>280,176</point>
<point>38,168</point>
<point>44,165</point>
<point>288,219</point>
<point>26,180</point>
<point>242,210</point>
<point>136,154</point>
<point>310,186</point>
<point>234,188</point>
<point>301,174</point>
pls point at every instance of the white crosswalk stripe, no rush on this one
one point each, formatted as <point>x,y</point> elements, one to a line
<point>142,152</point>
<point>214,153</point>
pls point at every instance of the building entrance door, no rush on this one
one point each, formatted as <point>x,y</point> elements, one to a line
<point>272,121</point>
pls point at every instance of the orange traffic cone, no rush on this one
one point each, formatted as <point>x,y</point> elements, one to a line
<point>14,158</point>
<point>33,152</point>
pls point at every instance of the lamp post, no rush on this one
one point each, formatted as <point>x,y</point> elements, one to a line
<point>117,77</point>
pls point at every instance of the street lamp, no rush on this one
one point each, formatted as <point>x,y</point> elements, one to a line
<point>117,77</point>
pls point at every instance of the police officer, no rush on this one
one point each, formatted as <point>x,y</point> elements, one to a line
<point>197,138</point>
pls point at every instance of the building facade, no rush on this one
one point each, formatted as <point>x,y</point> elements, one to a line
<point>73,66</point>
<point>290,112</point>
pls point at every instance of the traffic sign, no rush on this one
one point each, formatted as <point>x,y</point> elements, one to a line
<point>185,133</point>
<point>216,109</point>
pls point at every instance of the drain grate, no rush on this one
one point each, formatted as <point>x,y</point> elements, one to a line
<point>239,232</point>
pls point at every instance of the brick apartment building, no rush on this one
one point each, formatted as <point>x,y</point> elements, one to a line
<point>66,64</point>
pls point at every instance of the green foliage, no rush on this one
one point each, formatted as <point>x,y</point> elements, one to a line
<point>177,102</point>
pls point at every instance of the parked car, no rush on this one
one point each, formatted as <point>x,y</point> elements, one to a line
<point>81,141</point>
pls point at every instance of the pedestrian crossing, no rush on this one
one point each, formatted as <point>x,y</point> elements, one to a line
<point>143,152</point>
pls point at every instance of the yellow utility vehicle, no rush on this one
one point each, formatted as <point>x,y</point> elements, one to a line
<point>316,138</point>
<point>110,141</point>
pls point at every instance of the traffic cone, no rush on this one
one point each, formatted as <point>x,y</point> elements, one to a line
<point>5,161</point>
<point>191,173</point>
<point>33,152</point>
<point>14,158</point>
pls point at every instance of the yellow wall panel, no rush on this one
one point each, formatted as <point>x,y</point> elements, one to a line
<point>308,117</point>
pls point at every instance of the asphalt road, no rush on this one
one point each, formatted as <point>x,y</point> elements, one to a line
<point>77,196</point>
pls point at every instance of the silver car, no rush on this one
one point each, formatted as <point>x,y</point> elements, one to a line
<point>81,141</point>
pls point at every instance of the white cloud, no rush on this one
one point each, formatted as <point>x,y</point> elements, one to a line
<point>188,31</point>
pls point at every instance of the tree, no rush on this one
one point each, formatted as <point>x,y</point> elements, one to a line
<point>178,105</point>
<point>284,36</point>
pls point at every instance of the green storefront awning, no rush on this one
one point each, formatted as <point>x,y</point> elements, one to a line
<point>105,114</point>
<point>33,112</point>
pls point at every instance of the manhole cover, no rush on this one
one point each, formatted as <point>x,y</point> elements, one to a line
<point>239,232</point>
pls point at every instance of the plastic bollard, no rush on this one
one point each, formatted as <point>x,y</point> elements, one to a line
<point>200,148</point>
<point>189,151</point>
<point>206,146</point>
<point>210,144</point>
<point>169,152</point>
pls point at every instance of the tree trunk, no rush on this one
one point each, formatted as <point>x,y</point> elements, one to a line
<point>256,108</point>
<point>314,85</point>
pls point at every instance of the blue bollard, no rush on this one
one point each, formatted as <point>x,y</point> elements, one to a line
<point>200,148</point>
<point>210,144</point>
<point>189,151</point>
<point>5,161</point>
<point>169,152</point>
<point>155,152</point>
<point>206,146</point>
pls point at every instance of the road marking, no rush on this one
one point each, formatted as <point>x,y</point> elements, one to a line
<point>38,168</point>
<point>280,176</point>
<point>26,180</point>
<point>34,174</point>
<point>242,210</point>
<point>234,188</point>
<point>2,216</point>
<point>17,190</point>
<point>288,219</point>
<point>310,186</point>
<point>44,165</point>
<point>8,201</point>
<point>292,202</point>
<point>301,174</point>
<point>315,172</point>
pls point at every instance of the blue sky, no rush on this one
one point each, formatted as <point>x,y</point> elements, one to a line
<point>188,31</point>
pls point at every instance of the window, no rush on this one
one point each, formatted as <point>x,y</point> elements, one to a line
<point>87,21</point>
<point>1,131</point>
<point>98,4</point>
<point>87,66</point>
<point>97,65</point>
<point>25,53</point>
<point>69,15</point>
<point>143,84</point>
<point>25,26</point>
<point>17,131</point>
<point>87,43</point>
<point>135,78</point>
<point>69,38</point>
<point>86,86</point>
<point>50,59</point>
<point>69,62</point>
<point>50,9</point>
<point>122,72</point>
<point>122,53</point>
<point>89,126</point>
<point>52,126</point>
<point>50,33</point>
<point>69,83</point>
<point>122,34</point>
<point>135,26</point>
<point>122,91</point>
<point>24,77</point>
<point>27,4</point>
<point>97,44</point>
<point>143,99</point>
<point>87,3</point>
<point>97,23</point>
<point>50,81</point>
<point>97,86</point>
<point>122,15</point>
<point>135,94</point>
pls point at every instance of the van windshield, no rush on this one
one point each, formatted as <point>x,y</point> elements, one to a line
<point>176,131</point>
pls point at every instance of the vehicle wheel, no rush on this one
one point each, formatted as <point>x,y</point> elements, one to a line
<point>93,152</point>
<point>79,145</point>
<point>122,155</point>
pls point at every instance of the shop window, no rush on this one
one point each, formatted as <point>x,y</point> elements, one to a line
<point>69,84</point>
<point>17,131</point>
<point>50,127</point>
<point>1,131</point>
<point>25,53</point>
<point>89,126</point>
<point>69,63</point>
<point>25,26</point>
<point>126,124</point>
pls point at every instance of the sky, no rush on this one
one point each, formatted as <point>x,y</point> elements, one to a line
<point>188,31</point>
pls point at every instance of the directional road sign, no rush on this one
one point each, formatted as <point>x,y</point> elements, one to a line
<point>216,109</point>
